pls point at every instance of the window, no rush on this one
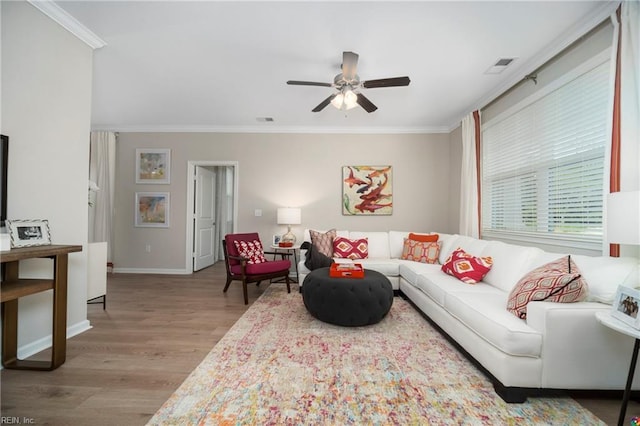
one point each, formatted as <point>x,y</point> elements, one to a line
<point>543,163</point>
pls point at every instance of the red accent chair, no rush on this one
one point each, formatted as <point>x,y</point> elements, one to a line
<point>238,269</point>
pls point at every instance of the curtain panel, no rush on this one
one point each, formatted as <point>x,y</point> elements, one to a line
<point>102,165</point>
<point>469,181</point>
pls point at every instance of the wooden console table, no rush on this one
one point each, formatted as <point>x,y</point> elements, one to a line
<point>14,288</point>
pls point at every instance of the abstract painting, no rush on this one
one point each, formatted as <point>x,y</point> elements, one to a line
<point>367,190</point>
<point>152,209</point>
<point>153,165</point>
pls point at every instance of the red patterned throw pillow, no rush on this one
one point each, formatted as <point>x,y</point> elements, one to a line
<point>323,242</point>
<point>423,252</point>
<point>251,250</point>
<point>557,281</point>
<point>466,267</point>
<point>351,249</point>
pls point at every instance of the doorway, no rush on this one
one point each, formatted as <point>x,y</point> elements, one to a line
<point>212,200</point>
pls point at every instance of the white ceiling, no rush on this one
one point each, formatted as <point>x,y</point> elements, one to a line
<point>217,66</point>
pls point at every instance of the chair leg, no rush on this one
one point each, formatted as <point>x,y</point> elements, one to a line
<point>244,290</point>
<point>288,286</point>
<point>226,286</point>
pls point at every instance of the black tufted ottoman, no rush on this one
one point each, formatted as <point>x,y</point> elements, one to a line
<point>347,301</point>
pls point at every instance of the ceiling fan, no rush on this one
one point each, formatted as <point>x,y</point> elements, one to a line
<point>348,85</point>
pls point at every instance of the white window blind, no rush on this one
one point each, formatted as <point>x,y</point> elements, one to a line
<point>543,163</point>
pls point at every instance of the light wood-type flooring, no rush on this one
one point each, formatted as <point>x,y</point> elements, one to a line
<point>155,331</point>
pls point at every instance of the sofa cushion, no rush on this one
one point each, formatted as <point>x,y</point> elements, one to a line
<point>557,281</point>
<point>603,275</point>
<point>438,285</point>
<point>251,250</point>
<point>466,267</point>
<point>350,249</point>
<point>388,267</point>
<point>378,243</point>
<point>411,270</point>
<point>484,313</point>
<point>396,242</point>
<point>447,245</point>
<point>323,241</point>
<point>510,263</point>
<point>423,238</point>
<point>423,252</point>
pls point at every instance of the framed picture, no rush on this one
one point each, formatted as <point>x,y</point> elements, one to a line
<point>153,165</point>
<point>152,209</point>
<point>276,240</point>
<point>367,190</point>
<point>29,233</point>
<point>625,306</point>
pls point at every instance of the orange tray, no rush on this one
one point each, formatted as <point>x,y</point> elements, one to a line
<point>346,270</point>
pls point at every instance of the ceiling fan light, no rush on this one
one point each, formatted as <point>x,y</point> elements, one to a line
<point>338,101</point>
<point>350,99</point>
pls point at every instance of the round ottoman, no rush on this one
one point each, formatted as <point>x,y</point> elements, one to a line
<point>347,301</point>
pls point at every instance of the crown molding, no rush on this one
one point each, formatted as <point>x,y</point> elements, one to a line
<point>269,129</point>
<point>572,34</point>
<point>68,22</point>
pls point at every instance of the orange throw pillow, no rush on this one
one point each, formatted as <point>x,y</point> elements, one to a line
<point>424,238</point>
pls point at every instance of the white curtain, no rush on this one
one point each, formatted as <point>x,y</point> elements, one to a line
<point>469,220</point>
<point>630,95</point>
<point>102,165</point>
<point>224,208</point>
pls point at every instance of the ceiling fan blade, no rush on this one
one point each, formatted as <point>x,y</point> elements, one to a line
<point>366,103</point>
<point>349,65</point>
<point>324,103</point>
<point>386,82</point>
<point>308,83</point>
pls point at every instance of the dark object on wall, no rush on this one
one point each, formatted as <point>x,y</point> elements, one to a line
<point>4,160</point>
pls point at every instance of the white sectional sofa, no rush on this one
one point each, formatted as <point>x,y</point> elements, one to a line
<point>558,346</point>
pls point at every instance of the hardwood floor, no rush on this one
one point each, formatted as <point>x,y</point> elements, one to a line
<point>155,331</point>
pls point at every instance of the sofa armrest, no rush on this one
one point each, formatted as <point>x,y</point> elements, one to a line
<point>577,351</point>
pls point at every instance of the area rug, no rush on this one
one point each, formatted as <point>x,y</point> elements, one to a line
<point>278,365</point>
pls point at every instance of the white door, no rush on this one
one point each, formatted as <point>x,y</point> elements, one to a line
<point>204,219</point>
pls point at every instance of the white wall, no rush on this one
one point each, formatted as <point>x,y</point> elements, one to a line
<point>46,111</point>
<point>276,170</point>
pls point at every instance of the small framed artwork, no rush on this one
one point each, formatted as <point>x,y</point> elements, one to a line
<point>276,240</point>
<point>29,233</point>
<point>152,209</point>
<point>153,165</point>
<point>625,306</point>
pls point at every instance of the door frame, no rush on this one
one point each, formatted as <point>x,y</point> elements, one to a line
<point>191,177</point>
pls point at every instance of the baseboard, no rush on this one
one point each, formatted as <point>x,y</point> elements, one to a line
<point>30,349</point>
<point>151,271</point>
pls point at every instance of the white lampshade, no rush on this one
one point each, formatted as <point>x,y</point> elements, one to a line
<point>289,216</point>
<point>623,217</point>
<point>346,100</point>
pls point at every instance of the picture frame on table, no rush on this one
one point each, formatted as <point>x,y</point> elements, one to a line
<point>152,209</point>
<point>29,232</point>
<point>276,240</point>
<point>626,305</point>
<point>153,165</point>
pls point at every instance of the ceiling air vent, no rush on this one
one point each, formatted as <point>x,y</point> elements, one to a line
<point>500,65</point>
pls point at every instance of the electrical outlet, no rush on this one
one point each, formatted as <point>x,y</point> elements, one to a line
<point>257,212</point>
<point>148,248</point>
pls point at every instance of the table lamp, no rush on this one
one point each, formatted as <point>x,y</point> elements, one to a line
<point>289,216</point>
<point>623,217</point>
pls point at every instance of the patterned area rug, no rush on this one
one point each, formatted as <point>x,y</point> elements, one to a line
<point>279,365</point>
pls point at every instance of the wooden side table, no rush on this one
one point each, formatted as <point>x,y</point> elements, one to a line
<point>294,250</point>
<point>13,288</point>
<point>606,319</point>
